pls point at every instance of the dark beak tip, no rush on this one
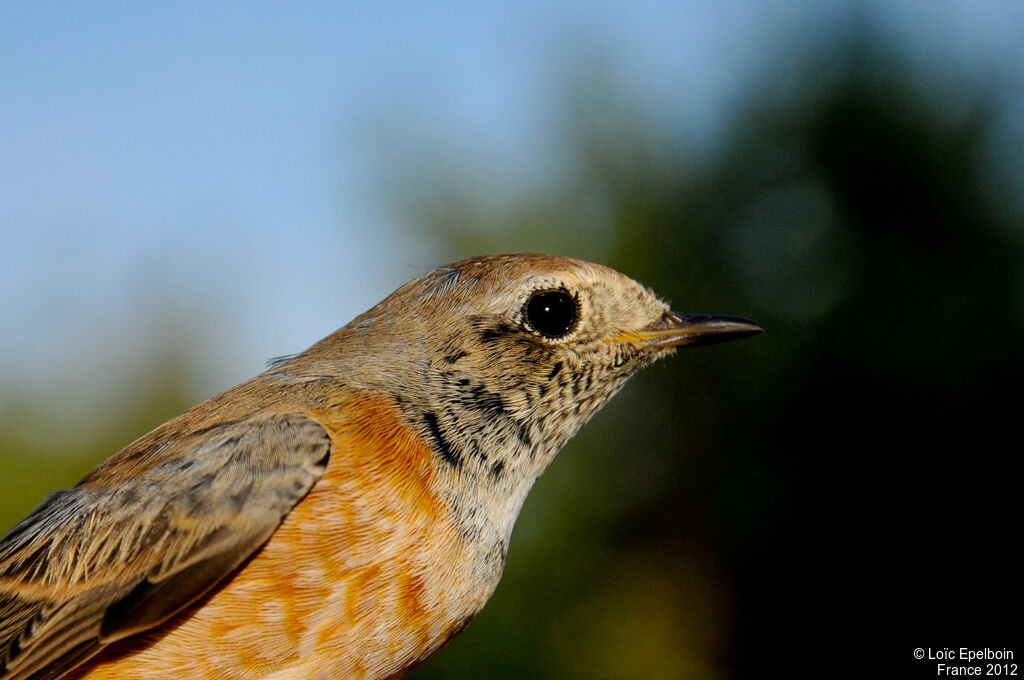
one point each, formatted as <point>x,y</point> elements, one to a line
<point>754,328</point>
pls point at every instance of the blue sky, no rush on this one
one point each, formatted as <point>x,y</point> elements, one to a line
<point>212,162</point>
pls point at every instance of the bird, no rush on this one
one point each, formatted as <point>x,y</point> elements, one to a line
<point>347,511</point>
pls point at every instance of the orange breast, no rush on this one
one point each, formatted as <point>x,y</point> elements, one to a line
<point>366,576</point>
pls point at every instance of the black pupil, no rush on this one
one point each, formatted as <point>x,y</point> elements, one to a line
<point>552,313</point>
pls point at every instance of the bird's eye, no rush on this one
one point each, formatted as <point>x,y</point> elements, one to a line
<point>552,313</point>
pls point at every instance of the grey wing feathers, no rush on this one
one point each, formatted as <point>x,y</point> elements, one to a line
<point>90,566</point>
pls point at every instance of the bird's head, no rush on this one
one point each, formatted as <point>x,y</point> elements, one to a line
<point>514,353</point>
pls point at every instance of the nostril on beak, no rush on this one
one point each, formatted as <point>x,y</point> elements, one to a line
<point>671,319</point>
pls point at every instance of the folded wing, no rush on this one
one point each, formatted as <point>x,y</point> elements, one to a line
<point>108,559</point>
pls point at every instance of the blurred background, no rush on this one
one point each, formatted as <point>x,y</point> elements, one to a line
<point>188,190</point>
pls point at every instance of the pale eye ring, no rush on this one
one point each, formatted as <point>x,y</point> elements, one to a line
<point>552,313</point>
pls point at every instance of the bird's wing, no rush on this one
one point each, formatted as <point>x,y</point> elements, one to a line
<point>105,560</point>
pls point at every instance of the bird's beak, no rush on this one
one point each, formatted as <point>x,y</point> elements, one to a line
<point>681,330</point>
